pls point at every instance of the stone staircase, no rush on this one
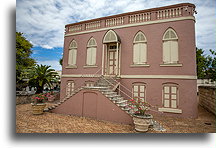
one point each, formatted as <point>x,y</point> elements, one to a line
<point>108,87</point>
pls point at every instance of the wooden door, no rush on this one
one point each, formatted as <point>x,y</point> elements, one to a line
<point>112,62</point>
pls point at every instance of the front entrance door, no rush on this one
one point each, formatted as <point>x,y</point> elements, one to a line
<point>112,62</point>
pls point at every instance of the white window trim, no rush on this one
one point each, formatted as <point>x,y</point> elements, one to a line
<point>90,66</point>
<point>71,66</point>
<point>139,65</point>
<point>171,65</point>
<point>170,110</point>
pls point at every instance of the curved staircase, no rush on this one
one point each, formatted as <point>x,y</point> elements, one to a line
<point>108,87</point>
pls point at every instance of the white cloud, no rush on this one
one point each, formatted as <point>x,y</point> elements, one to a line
<point>43,21</point>
<point>53,63</point>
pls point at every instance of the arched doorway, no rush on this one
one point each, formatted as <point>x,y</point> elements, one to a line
<point>111,54</point>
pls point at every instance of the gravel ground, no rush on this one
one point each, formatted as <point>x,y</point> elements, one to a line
<point>26,122</point>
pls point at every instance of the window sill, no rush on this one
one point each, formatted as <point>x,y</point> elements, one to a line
<point>171,65</point>
<point>71,66</point>
<point>140,65</point>
<point>90,66</point>
<point>170,110</point>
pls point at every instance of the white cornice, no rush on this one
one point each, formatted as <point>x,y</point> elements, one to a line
<point>135,24</point>
<point>190,77</point>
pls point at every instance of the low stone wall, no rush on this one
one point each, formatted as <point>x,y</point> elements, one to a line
<point>25,99</point>
<point>207,98</point>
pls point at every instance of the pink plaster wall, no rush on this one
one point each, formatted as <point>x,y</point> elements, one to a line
<point>91,103</point>
<point>154,34</point>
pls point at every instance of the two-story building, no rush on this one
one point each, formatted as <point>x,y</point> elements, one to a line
<point>151,53</point>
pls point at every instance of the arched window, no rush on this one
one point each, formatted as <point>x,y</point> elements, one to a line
<point>72,55</point>
<point>110,37</point>
<point>91,52</point>
<point>139,49</point>
<point>139,90</point>
<point>170,47</point>
<point>170,95</point>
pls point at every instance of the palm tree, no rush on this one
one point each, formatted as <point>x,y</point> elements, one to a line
<point>41,75</point>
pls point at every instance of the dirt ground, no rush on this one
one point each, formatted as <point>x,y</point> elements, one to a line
<point>26,122</point>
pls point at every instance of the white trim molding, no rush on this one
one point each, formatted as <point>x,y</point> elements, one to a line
<point>80,76</point>
<point>90,66</point>
<point>135,24</point>
<point>159,77</point>
<point>171,65</point>
<point>189,77</point>
<point>139,65</point>
<point>71,66</point>
<point>170,110</point>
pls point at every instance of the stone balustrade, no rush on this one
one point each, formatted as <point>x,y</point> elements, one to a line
<point>168,12</point>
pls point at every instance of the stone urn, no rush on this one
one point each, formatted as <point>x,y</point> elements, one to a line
<point>142,122</point>
<point>37,109</point>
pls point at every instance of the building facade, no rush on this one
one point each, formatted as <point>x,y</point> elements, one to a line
<point>151,53</point>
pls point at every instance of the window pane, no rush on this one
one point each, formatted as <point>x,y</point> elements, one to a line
<point>111,55</point>
<point>74,55</point>
<point>173,89</point>
<point>166,52</point>
<point>135,94</point>
<point>93,59</point>
<point>174,51</point>
<point>166,103</point>
<point>136,54</point>
<point>88,60</point>
<point>173,97</point>
<point>173,104</point>
<point>141,94</point>
<point>166,96</point>
<point>136,88</point>
<point>70,57</point>
<point>142,88</point>
<point>166,89</point>
<point>142,53</point>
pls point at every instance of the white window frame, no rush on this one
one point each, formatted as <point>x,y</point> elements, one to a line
<point>91,54</point>
<point>139,50</point>
<point>170,48</point>
<point>137,93</point>
<point>70,88</point>
<point>72,55</point>
<point>170,93</point>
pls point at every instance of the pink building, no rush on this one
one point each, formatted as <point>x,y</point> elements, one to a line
<point>148,54</point>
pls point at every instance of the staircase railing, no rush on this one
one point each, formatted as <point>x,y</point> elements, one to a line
<point>79,87</point>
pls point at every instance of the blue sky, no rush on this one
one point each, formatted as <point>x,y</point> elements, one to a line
<point>43,21</point>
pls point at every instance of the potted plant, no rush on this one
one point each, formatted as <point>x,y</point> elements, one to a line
<point>38,104</point>
<point>141,119</point>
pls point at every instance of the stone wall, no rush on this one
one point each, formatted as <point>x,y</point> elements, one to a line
<point>207,98</point>
<point>25,99</point>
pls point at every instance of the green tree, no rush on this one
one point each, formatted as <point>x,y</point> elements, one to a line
<point>23,60</point>
<point>60,61</point>
<point>206,65</point>
<point>211,65</point>
<point>40,75</point>
<point>201,63</point>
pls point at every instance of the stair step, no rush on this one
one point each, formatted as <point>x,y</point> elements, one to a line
<point>110,93</point>
<point>122,101</point>
<point>46,110</point>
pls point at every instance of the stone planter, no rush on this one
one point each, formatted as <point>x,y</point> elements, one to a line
<point>37,109</point>
<point>142,123</point>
